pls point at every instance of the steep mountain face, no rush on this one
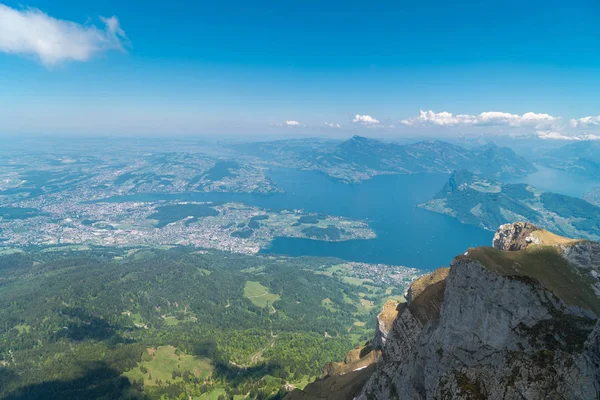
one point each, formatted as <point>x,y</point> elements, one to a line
<point>476,200</point>
<point>508,325</point>
<point>515,321</point>
<point>499,162</point>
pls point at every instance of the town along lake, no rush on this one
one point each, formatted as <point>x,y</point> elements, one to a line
<point>406,235</point>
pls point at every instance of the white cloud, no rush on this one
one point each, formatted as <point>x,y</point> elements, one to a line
<point>443,118</point>
<point>365,120</point>
<point>553,135</point>
<point>32,32</point>
<point>585,121</point>
<point>332,125</point>
<point>292,123</point>
<point>490,118</point>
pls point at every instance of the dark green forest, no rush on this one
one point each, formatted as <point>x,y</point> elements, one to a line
<point>91,324</point>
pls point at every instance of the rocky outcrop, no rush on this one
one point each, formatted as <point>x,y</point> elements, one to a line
<point>586,256</point>
<point>337,387</point>
<point>342,380</point>
<point>518,324</point>
<point>583,254</point>
<point>425,295</point>
<point>514,237</point>
<point>520,235</point>
<point>385,319</point>
<point>356,360</point>
<point>422,283</point>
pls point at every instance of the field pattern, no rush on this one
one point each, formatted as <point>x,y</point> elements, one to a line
<point>259,295</point>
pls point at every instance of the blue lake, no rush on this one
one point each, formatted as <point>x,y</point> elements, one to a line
<point>406,235</point>
<point>557,181</point>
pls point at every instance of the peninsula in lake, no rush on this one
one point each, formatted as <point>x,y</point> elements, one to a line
<point>476,200</point>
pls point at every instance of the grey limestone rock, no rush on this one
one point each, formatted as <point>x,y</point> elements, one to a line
<point>497,335</point>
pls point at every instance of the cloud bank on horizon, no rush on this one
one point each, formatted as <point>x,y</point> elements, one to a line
<point>546,126</point>
<point>490,118</point>
<point>541,125</point>
<point>32,32</point>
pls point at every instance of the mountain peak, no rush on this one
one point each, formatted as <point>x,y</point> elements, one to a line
<point>515,237</point>
<point>519,235</point>
<point>360,141</point>
<point>491,317</point>
<point>489,147</point>
<point>359,138</point>
<point>458,178</point>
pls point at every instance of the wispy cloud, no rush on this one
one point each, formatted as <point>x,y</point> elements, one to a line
<point>32,32</point>
<point>332,125</point>
<point>490,118</point>
<point>365,120</point>
<point>292,123</point>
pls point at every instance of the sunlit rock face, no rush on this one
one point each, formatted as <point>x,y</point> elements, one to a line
<point>515,321</point>
<point>385,319</point>
<point>514,237</point>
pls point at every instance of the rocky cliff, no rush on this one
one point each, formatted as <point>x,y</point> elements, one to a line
<point>343,380</point>
<point>518,320</point>
<point>518,324</point>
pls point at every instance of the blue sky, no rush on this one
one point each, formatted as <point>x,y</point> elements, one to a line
<point>239,67</point>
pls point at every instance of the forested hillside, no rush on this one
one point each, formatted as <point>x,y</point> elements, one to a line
<point>178,323</point>
<point>476,200</point>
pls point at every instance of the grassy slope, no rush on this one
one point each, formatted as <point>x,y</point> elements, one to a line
<point>164,361</point>
<point>547,266</point>
<point>258,294</point>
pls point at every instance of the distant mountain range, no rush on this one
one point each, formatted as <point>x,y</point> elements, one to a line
<point>579,157</point>
<point>360,158</point>
<point>476,200</point>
